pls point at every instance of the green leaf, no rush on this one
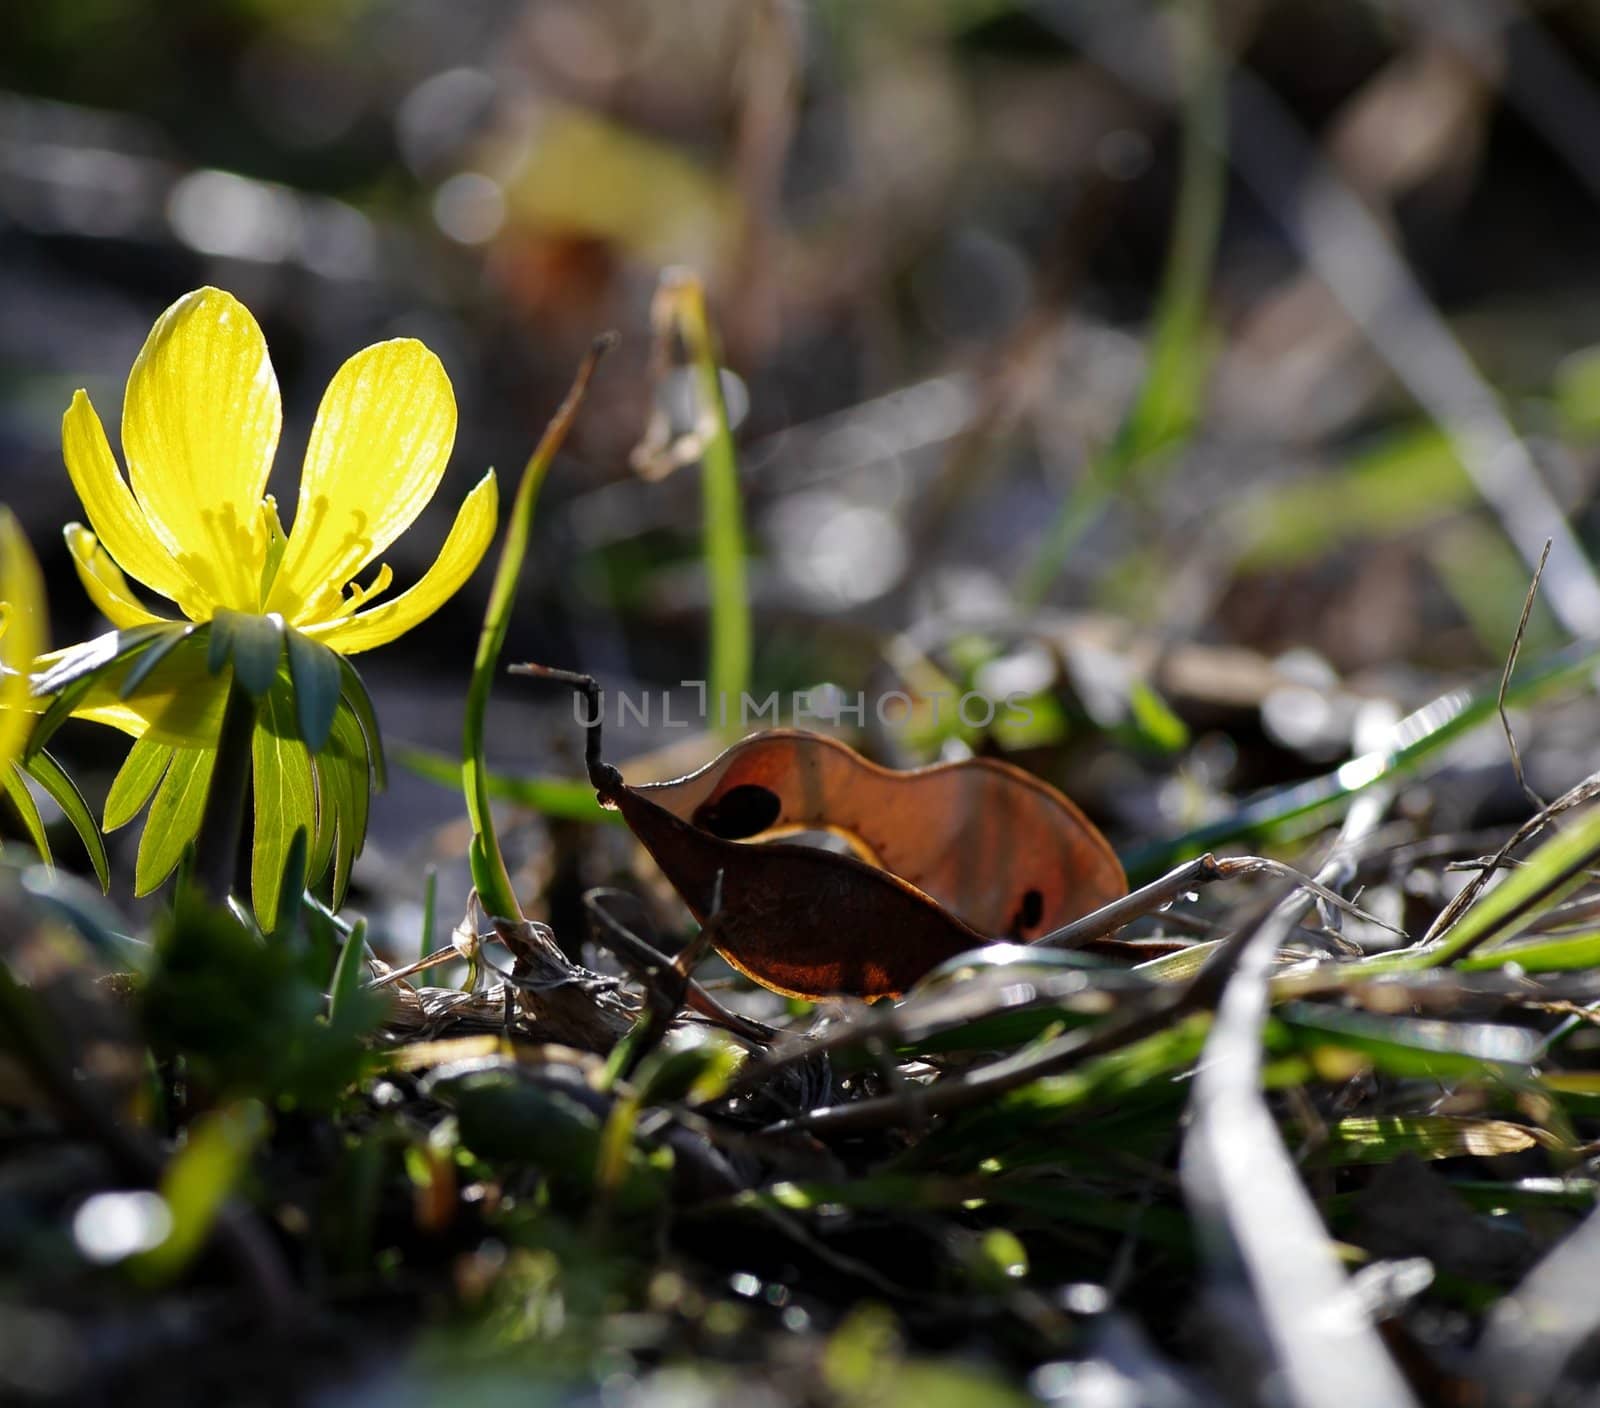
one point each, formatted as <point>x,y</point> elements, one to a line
<point>493,879</point>
<point>93,656</point>
<point>174,816</point>
<point>568,798</point>
<point>346,986</point>
<point>27,810</point>
<point>1577,391</point>
<point>314,669</point>
<point>152,657</point>
<point>220,639</point>
<point>74,674</point>
<point>354,693</point>
<point>1168,403</point>
<point>63,791</point>
<point>1542,881</point>
<point>136,781</point>
<point>344,782</point>
<point>56,713</point>
<point>1394,485</point>
<point>293,882</point>
<point>248,1015</point>
<point>285,800</point>
<point>255,645</point>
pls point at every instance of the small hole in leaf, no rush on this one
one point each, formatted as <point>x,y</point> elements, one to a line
<point>1030,912</point>
<point>746,810</point>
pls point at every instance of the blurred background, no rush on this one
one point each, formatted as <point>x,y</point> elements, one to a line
<point>1210,373</point>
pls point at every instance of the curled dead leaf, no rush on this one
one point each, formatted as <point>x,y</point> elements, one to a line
<point>943,859</point>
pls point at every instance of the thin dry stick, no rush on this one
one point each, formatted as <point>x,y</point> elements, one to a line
<point>647,963</point>
<point>1505,678</point>
<point>1176,883</point>
<point>1585,791</point>
<point>668,985</point>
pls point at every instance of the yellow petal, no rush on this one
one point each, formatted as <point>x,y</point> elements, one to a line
<point>469,539</point>
<point>22,589</point>
<point>114,513</point>
<point>199,427</point>
<point>382,437</point>
<point>103,580</point>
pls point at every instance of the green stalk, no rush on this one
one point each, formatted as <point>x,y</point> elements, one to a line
<point>683,301</point>
<point>489,871</point>
<point>1166,407</point>
<point>216,848</point>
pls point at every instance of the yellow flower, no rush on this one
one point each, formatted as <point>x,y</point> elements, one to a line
<point>193,521</point>
<point>21,635</point>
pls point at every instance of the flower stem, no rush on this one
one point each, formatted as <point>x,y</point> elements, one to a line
<point>216,848</point>
<point>489,871</point>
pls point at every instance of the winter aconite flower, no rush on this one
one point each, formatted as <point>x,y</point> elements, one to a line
<point>21,634</point>
<point>193,521</point>
<point>22,637</point>
<point>273,611</point>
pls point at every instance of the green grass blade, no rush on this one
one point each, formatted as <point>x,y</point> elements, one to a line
<point>1167,405</point>
<point>682,299</point>
<point>1419,737</point>
<point>1568,953</point>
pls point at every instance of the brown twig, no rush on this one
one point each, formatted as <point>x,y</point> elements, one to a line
<point>1505,678</point>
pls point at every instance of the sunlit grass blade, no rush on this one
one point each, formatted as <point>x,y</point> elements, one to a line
<point>1340,1043</point>
<point>1545,878</point>
<point>681,305</point>
<point>1566,954</point>
<point>1302,806</point>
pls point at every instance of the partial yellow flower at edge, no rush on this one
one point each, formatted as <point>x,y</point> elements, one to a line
<point>200,425</point>
<point>22,634</point>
